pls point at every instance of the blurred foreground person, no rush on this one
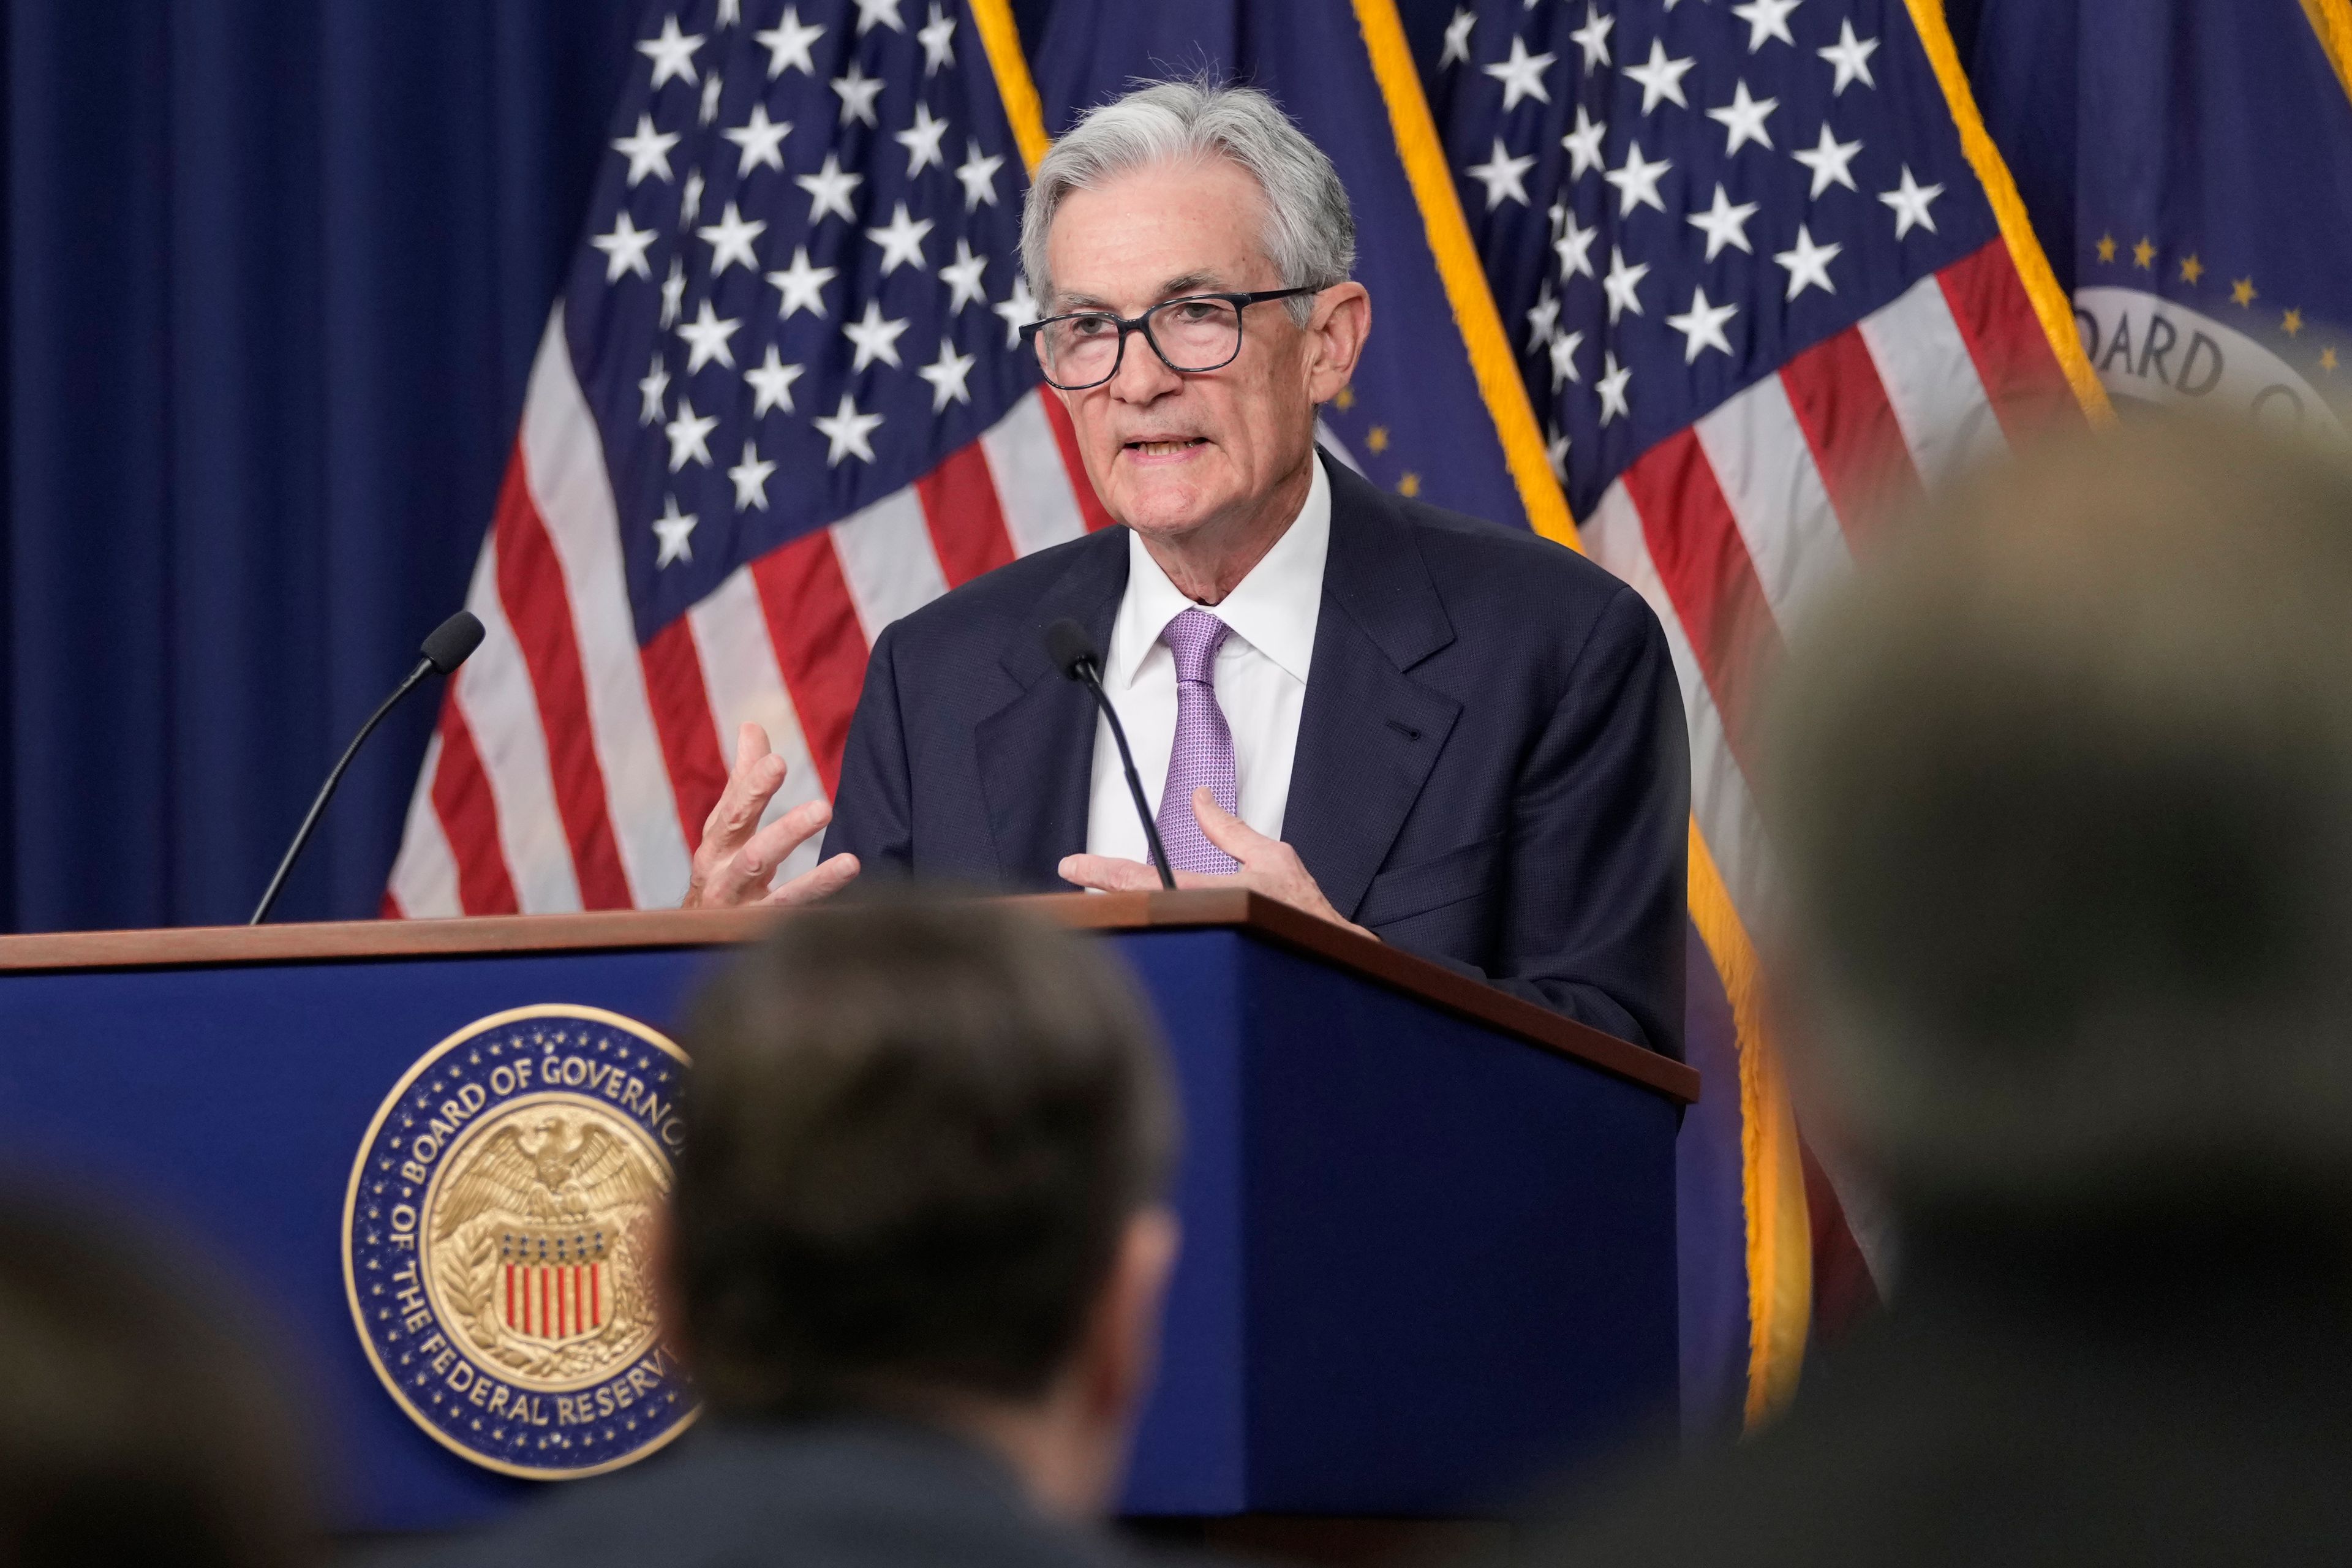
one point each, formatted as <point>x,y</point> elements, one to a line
<point>916,1256</point>
<point>136,1425</point>
<point>2065,793</point>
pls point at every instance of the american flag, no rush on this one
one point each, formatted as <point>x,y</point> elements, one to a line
<point>781,403</point>
<point>1760,294</point>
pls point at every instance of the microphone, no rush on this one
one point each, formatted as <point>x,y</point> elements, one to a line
<point>448,646</point>
<point>1073,653</point>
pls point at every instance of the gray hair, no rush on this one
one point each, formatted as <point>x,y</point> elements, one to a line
<point>1310,235</point>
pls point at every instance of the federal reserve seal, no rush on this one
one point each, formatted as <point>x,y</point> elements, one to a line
<point>497,1241</point>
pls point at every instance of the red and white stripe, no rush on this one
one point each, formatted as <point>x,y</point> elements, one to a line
<point>1730,528</point>
<point>573,768</point>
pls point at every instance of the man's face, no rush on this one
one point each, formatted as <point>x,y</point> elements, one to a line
<point>1169,453</point>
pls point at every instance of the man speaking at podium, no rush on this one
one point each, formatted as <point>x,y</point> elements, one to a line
<point>1453,736</point>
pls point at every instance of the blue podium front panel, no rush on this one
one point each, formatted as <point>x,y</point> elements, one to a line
<point>1421,1259</point>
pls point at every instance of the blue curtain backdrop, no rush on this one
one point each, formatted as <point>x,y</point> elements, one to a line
<point>275,275</point>
<point>275,271</point>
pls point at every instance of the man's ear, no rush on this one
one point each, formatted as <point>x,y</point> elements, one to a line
<point>1123,1351</point>
<point>1336,334</point>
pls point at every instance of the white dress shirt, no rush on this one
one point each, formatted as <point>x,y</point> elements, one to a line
<point>1261,677</point>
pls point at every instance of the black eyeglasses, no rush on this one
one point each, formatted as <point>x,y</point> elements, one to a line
<point>1197,332</point>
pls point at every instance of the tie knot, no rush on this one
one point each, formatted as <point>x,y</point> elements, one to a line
<point>1194,638</point>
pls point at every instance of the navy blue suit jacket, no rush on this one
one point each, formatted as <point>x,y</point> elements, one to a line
<point>1491,769</point>
<point>848,1493</point>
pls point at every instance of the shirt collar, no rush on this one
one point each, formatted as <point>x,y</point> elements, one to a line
<point>1274,609</point>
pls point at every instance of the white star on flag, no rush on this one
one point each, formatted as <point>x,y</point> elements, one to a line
<point>1910,201</point>
<point>883,13</point>
<point>857,92</point>
<point>1503,175</point>
<point>802,285</point>
<point>875,337</point>
<point>674,529</point>
<point>1563,359</point>
<point>787,44</point>
<point>962,278</point>
<point>1019,309</point>
<point>625,249</point>
<point>1592,38</point>
<point>750,477</point>
<point>761,140</point>
<point>979,177</point>
<point>1574,247</point>
<point>1521,75</point>
<point>1702,326</point>
<point>672,53</point>
<point>654,388</point>
<point>1543,320</point>
<point>1583,145</point>
<point>1851,57</point>
<point>922,141</point>
<point>770,382</point>
<point>847,430</point>
<point>706,335</point>
<point>1743,119</point>
<point>730,241</point>
<point>829,189</point>
<point>947,374</point>
<point>1457,40</point>
<point>938,38</point>
<point>901,240</point>
<point>1661,78</point>
<point>1828,160</point>
<point>1622,284</point>
<point>648,151</point>
<point>1809,264</point>
<point>690,436</point>
<point>1612,385</point>
<point>1637,182</point>
<point>1723,224</point>
<point>1766,19</point>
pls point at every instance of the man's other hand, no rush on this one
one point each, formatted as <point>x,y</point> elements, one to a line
<point>1268,865</point>
<point>738,858</point>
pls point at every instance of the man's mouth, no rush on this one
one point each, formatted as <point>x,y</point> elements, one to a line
<point>1165,448</point>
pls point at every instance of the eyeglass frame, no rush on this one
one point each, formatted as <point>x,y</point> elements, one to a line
<point>1127,325</point>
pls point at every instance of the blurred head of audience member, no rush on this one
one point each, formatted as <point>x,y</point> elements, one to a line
<point>137,1425</point>
<point>927,1147</point>
<point>2062,793</point>
<point>916,1254</point>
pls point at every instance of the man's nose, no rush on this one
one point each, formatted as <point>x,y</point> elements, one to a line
<point>1142,374</point>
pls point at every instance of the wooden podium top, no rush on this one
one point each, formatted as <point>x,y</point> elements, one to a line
<point>1274,922</point>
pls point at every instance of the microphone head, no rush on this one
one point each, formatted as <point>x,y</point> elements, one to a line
<point>453,642</point>
<point>1067,645</point>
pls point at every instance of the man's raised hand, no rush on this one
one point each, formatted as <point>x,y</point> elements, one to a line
<point>1268,865</point>
<point>738,858</point>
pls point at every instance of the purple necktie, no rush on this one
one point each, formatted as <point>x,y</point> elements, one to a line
<point>1203,752</point>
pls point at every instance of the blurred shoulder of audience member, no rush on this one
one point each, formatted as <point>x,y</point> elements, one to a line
<point>138,1424</point>
<point>2062,793</point>
<point>917,1253</point>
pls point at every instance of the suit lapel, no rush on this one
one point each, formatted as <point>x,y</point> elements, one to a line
<point>1369,735</point>
<point>1037,752</point>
